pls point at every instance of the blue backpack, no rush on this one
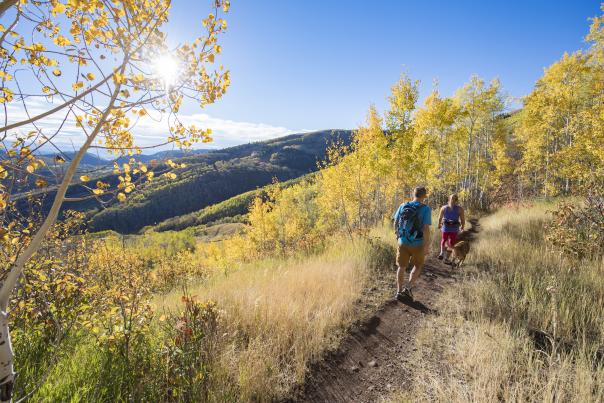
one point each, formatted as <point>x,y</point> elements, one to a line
<point>408,226</point>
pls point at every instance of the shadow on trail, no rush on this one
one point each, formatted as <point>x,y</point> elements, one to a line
<point>417,305</point>
<point>370,327</point>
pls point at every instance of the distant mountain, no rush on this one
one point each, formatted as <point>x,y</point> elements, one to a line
<point>92,160</point>
<point>88,159</point>
<point>209,178</point>
<point>219,175</point>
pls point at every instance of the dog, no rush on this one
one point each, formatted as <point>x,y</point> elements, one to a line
<point>459,252</point>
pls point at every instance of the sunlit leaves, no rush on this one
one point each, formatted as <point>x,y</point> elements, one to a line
<point>61,41</point>
<point>59,8</point>
<point>561,125</point>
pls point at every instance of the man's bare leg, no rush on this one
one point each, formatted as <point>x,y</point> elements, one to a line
<point>400,279</point>
<point>415,274</point>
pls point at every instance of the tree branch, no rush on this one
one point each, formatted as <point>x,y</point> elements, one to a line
<point>19,265</point>
<point>5,5</point>
<point>56,109</point>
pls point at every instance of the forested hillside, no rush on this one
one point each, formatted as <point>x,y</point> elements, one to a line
<point>234,209</point>
<point>213,177</point>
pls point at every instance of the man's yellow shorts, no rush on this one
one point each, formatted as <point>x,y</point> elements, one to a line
<point>405,253</point>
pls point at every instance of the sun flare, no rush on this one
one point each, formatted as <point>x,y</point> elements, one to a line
<point>167,68</point>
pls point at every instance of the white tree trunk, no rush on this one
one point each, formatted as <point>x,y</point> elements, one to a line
<point>7,373</point>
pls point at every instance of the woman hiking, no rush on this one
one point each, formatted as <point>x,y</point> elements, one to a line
<point>451,220</point>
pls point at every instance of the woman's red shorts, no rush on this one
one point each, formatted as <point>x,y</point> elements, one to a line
<point>451,237</point>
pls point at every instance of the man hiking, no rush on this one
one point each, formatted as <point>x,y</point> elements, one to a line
<point>451,220</point>
<point>412,223</point>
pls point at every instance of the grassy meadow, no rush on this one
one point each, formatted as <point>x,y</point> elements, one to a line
<point>525,324</point>
<point>269,319</point>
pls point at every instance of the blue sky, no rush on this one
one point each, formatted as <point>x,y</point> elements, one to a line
<point>319,64</point>
<point>299,65</point>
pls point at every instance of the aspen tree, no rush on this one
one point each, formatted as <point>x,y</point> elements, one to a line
<point>100,66</point>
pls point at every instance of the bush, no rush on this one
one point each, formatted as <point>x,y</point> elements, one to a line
<point>381,256</point>
<point>190,350</point>
<point>578,226</point>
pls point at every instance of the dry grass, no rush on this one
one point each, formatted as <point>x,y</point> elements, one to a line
<point>481,347</point>
<point>281,314</point>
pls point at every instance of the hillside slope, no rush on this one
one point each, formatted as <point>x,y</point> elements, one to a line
<point>216,176</point>
<point>229,210</point>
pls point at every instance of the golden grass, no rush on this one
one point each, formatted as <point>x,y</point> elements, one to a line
<point>281,314</point>
<point>481,347</point>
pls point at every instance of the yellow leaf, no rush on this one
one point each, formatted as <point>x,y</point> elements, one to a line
<point>56,72</point>
<point>30,169</point>
<point>76,86</point>
<point>61,41</point>
<point>121,197</point>
<point>84,178</point>
<point>59,8</point>
<point>90,76</point>
<point>98,191</point>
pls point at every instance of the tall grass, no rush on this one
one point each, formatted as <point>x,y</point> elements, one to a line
<point>526,325</point>
<point>279,315</point>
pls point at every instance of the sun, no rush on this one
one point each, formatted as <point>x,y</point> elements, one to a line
<point>167,68</point>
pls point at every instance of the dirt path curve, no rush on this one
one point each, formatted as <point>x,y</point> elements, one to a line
<point>373,359</point>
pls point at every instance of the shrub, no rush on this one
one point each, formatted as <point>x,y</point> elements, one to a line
<point>189,350</point>
<point>381,256</point>
<point>578,226</point>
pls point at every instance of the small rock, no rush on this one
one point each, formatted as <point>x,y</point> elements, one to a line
<point>354,368</point>
<point>389,386</point>
<point>372,363</point>
<point>371,388</point>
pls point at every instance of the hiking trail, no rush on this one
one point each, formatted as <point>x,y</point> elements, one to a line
<point>373,359</point>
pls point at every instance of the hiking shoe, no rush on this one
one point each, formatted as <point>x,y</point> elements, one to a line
<point>407,293</point>
<point>441,256</point>
<point>400,296</point>
<point>447,261</point>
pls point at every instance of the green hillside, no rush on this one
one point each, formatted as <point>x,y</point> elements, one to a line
<point>230,210</point>
<point>215,177</point>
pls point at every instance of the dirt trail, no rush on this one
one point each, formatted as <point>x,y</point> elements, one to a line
<point>373,359</point>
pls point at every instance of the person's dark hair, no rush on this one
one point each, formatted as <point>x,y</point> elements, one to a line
<point>420,191</point>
